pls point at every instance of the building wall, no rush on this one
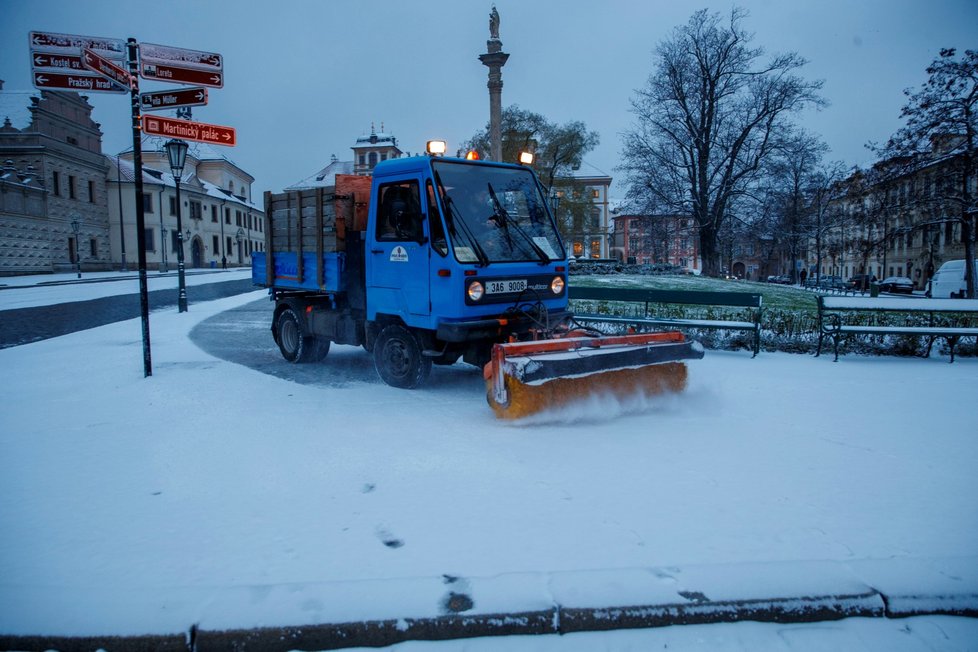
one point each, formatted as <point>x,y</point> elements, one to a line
<point>63,147</point>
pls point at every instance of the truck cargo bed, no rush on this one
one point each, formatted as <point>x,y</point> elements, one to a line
<point>286,275</point>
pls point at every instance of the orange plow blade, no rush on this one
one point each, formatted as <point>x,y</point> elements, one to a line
<point>524,378</point>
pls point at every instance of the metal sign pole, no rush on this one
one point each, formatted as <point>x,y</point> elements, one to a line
<point>137,159</point>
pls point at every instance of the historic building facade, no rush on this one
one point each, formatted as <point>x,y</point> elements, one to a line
<point>52,182</point>
<point>588,235</point>
<point>222,223</point>
<point>900,218</point>
<point>651,239</point>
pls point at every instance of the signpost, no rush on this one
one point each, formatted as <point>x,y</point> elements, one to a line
<point>181,75</point>
<point>76,82</point>
<point>181,66</point>
<point>90,63</point>
<point>173,99</point>
<point>106,68</point>
<point>187,130</point>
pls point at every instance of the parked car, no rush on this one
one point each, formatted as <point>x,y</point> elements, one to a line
<point>948,282</point>
<point>897,285</point>
<point>781,280</point>
<point>831,283</point>
<point>861,281</point>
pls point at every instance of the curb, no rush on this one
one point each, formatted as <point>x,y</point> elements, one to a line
<point>446,607</point>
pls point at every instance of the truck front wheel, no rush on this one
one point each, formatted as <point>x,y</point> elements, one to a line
<point>296,346</point>
<point>398,358</point>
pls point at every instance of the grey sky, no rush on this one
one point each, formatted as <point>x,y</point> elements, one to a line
<point>304,79</point>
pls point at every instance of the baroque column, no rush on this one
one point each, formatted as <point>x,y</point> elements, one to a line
<point>495,59</point>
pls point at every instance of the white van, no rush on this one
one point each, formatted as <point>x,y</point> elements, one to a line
<point>948,282</point>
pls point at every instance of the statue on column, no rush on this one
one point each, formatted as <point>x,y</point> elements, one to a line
<point>494,24</point>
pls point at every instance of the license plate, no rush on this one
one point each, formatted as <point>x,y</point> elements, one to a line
<point>503,287</point>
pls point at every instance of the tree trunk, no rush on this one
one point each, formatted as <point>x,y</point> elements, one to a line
<point>709,251</point>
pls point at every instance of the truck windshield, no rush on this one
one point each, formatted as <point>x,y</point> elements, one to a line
<point>496,214</point>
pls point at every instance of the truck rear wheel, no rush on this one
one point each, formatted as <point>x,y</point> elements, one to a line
<point>398,358</point>
<point>294,343</point>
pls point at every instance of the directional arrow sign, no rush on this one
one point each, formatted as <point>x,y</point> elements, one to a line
<point>180,74</point>
<point>49,61</point>
<point>165,54</point>
<point>110,48</point>
<point>173,99</point>
<point>106,68</point>
<point>187,130</point>
<point>77,82</point>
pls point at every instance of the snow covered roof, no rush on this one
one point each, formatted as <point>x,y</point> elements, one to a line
<point>374,139</point>
<point>16,107</point>
<point>189,182</point>
<point>325,177</point>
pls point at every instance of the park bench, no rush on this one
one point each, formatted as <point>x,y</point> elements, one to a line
<point>642,301</point>
<point>928,318</point>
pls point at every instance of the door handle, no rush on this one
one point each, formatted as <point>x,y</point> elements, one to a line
<point>376,251</point>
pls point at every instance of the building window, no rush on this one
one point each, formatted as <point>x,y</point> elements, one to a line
<point>71,187</point>
<point>71,250</point>
<point>372,159</point>
<point>56,183</point>
<point>93,247</point>
<point>363,160</point>
<point>174,241</point>
<point>213,213</point>
<point>215,244</point>
<point>227,215</point>
<point>148,234</point>
<point>578,249</point>
<point>148,202</point>
<point>595,193</point>
<point>237,218</point>
<point>173,205</point>
<point>196,211</point>
<point>91,192</point>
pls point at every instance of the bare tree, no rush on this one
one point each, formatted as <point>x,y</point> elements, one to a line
<point>942,124</point>
<point>707,120</point>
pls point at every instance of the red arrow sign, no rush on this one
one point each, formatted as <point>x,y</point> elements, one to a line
<point>173,99</point>
<point>152,53</point>
<point>187,130</point>
<point>76,82</point>
<point>106,68</point>
<point>111,48</point>
<point>181,75</point>
<point>47,60</point>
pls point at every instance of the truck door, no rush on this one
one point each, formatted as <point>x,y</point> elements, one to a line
<point>399,261</point>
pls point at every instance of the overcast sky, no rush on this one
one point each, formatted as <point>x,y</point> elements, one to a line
<point>304,79</point>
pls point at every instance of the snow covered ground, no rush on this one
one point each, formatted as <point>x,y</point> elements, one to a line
<point>50,289</point>
<point>215,495</point>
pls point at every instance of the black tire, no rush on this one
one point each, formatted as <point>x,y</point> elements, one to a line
<point>296,346</point>
<point>398,358</point>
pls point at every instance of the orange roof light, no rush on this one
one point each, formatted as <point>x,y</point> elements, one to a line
<point>472,155</point>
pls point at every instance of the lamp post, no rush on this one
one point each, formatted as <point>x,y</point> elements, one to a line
<point>239,236</point>
<point>176,151</point>
<point>163,243</point>
<point>75,228</point>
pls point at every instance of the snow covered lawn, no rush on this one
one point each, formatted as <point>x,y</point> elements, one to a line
<point>214,494</point>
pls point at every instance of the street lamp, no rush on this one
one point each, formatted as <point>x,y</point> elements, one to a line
<point>75,228</point>
<point>176,151</point>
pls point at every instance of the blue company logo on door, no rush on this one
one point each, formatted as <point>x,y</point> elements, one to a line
<point>399,255</point>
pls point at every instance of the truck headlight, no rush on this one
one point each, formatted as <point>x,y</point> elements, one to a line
<point>557,285</point>
<point>476,290</point>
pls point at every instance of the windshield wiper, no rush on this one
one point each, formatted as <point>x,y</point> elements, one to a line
<point>504,223</point>
<point>451,216</point>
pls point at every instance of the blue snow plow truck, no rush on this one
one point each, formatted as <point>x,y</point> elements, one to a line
<point>429,260</point>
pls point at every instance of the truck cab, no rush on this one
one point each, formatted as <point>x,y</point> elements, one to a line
<point>454,244</point>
